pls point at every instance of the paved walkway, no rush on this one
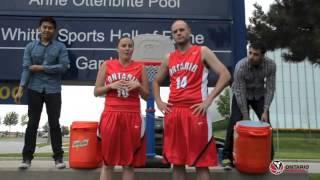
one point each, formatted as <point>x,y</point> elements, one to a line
<point>47,163</point>
<point>15,145</point>
<point>314,167</point>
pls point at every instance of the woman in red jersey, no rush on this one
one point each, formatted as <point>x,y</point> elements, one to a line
<point>122,127</point>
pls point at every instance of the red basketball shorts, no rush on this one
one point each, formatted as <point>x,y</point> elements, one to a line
<point>123,139</point>
<point>188,139</point>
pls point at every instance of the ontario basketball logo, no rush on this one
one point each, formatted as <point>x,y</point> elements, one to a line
<point>276,167</point>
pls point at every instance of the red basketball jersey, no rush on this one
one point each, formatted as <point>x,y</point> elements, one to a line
<point>188,77</point>
<point>122,100</point>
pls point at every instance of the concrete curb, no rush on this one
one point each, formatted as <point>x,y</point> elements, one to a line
<point>44,169</point>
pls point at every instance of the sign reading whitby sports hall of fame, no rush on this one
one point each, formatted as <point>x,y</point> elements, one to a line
<point>91,28</point>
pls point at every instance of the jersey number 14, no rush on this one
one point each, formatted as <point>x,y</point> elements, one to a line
<point>182,82</point>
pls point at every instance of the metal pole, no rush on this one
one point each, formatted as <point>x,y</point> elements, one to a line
<point>299,97</point>
<point>150,113</point>
<point>307,97</point>
<point>283,93</point>
<point>314,98</point>
<point>290,82</point>
<point>277,115</point>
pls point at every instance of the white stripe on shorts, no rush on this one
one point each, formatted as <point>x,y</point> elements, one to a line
<point>143,125</point>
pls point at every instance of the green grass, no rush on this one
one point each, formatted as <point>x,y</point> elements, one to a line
<point>220,134</point>
<point>219,125</point>
<point>40,145</point>
<point>9,138</point>
<point>296,155</point>
<point>298,134</point>
<point>299,145</point>
<point>219,128</point>
<point>314,177</point>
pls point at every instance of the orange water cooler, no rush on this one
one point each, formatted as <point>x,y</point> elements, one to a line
<point>252,146</point>
<point>84,147</point>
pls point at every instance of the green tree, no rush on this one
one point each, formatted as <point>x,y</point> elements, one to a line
<point>224,104</point>
<point>24,120</point>
<point>289,24</point>
<point>64,130</point>
<point>11,119</point>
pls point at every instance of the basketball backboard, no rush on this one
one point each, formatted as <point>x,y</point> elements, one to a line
<point>151,47</point>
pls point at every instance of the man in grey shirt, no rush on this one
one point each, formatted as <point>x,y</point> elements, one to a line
<point>254,85</point>
<point>44,62</point>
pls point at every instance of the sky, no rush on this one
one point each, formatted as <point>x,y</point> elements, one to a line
<point>249,6</point>
<point>79,104</point>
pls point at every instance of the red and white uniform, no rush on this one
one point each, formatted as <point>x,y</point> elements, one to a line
<point>121,126</point>
<point>188,138</point>
<point>188,77</point>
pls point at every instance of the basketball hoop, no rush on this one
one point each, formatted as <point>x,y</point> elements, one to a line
<point>151,68</point>
<point>150,49</point>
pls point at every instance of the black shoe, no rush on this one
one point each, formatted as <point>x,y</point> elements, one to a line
<point>25,164</point>
<point>60,164</point>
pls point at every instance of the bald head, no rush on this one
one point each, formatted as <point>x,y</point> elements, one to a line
<point>181,32</point>
<point>180,23</point>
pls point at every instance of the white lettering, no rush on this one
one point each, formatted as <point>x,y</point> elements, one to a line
<point>121,76</point>
<point>83,62</point>
<point>35,1</point>
<point>70,37</point>
<point>76,3</point>
<point>9,32</point>
<point>48,2</point>
<point>80,143</point>
<point>109,79</point>
<point>129,77</point>
<point>187,66</point>
<point>194,68</point>
<point>19,35</point>
<point>116,3</point>
<point>99,2</point>
<point>116,35</point>
<point>197,39</point>
<point>164,3</point>
<point>139,3</point>
<point>114,77</point>
<point>124,76</point>
<point>109,3</point>
<point>93,65</point>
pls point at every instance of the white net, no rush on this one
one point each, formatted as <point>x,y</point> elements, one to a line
<point>152,70</point>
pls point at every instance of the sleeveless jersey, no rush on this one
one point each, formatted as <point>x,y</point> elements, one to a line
<point>122,100</point>
<point>188,77</point>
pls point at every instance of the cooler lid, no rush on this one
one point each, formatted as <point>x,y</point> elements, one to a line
<point>84,125</point>
<point>250,123</point>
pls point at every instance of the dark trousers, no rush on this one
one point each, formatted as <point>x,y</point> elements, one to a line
<point>236,115</point>
<point>53,106</point>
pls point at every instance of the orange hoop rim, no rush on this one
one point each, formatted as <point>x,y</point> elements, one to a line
<point>150,63</point>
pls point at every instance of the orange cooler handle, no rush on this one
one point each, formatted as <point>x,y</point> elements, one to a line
<point>258,134</point>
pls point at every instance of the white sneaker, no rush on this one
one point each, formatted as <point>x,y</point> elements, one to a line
<point>60,164</point>
<point>25,164</point>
